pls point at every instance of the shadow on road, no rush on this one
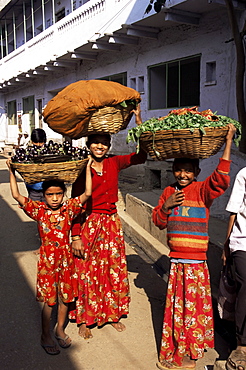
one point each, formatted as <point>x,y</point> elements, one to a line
<point>154,287</point>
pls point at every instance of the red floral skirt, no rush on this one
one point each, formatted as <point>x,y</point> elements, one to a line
<point>56,275</point>
<point>102,274</point>
<point>188,317</point>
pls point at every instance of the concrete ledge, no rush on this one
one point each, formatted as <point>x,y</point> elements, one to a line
<point>141,212</point>
<point>153,248</point>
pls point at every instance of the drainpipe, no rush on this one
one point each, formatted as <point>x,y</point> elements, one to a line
<point>24,21</point>
<point>14,30</point>
<point>53,12</point>
<point>1,37</point>
<point>32,13</point>
<point>6,38</point>
<point>43,15</point>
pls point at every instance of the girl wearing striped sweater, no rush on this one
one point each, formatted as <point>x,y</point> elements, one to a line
<point>183,210</point>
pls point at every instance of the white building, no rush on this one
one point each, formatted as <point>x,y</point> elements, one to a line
<point>183,56</point>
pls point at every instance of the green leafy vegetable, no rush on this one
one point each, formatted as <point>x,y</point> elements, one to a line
<point>175,121</point>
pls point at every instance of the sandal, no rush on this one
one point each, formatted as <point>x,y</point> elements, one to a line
<point>236,360</point>
<point>166,365</point>
<point>64,342</point>
<point>50,349</point>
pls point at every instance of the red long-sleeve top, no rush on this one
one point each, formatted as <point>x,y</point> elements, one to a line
<point>104,187</point>
<point>187,225</point>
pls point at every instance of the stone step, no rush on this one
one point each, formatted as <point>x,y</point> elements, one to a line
<point>219,365</point>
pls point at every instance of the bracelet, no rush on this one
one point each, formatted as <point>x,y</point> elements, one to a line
<point>77,237</point>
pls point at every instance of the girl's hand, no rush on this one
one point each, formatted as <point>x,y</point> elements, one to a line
<point>78,248</point>
<point>231,132</point>
<point>176,199</point>
<point>11,169</point>
<point>137,112</point>
<point>89,163</point>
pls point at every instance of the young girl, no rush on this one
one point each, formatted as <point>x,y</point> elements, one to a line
<point>184,210</point>
<point>56,278</point>
<point>103,295</point>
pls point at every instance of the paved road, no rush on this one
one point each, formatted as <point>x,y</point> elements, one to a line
<point>134,349</point>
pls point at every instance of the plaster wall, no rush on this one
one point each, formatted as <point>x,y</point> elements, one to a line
<point>212,40</point>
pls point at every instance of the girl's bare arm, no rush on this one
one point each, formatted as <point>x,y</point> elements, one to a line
<point>13,185</point>
<point>88,183</point>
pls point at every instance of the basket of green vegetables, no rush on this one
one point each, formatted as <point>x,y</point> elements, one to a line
<point>183,133</point>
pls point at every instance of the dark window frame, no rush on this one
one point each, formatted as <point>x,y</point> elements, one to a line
<point>174,84</point>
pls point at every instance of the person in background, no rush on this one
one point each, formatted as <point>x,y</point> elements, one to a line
<point>235,251</point>
<point>183,210</point>
<point>24,140</point>
<point>35,192</point>
<point>98,241</point>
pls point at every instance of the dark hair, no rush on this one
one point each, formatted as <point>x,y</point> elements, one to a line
<point>57,183</point>
<point>38,135</point>
<point>193,161</point>
<point>92,137</point>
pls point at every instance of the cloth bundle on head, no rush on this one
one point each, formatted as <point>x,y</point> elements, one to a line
<point>71,109</point>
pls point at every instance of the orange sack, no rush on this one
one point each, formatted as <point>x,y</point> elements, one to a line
<point>70,111</point>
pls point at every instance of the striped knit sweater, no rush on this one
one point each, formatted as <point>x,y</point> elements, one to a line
<point>187,225</point>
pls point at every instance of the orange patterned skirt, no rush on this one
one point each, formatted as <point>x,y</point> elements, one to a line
<point>102,274</point>
<point>188,317</point>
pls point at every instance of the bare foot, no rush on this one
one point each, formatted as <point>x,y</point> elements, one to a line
<point>188,362</point>
<point>118,326</point>
<point>85,332</point>
<point>241,348</point>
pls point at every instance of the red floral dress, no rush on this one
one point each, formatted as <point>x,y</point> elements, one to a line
<point>56,270</point>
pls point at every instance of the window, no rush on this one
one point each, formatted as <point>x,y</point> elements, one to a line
<point>133,83</point>
<point>175,83</point>
<point>40,109</point>
<point>211,73</point>
<point>28,111</point>
<point>141,84</point>
<point>61,14</point>
<point>120,77</point>
<point>11,112</point>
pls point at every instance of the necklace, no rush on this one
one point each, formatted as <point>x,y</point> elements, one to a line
<point>99,173</point>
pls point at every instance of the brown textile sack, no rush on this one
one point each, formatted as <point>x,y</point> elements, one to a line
<point>70,110</point>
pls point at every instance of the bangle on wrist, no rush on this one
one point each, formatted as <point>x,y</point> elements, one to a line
<point>77,237</point>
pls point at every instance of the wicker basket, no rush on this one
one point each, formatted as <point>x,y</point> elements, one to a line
<point>108,120</point>
<point>64,171</point>
<point>166,144</point>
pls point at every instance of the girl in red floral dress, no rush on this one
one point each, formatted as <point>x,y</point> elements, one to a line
<point>98,242</point>
<point>56,278</point>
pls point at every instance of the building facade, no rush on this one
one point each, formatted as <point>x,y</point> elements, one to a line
<point>182,56</point>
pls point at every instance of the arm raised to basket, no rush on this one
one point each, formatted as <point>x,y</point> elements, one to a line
<point>229,137</point>
<point>88,182</point>
<point>14,186</point>
<point>137,113</point>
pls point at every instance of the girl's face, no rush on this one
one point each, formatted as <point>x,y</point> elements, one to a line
<point>39,144</point>
<point>99,147</point>
<point>185,173</point>
<point>54,197</point>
